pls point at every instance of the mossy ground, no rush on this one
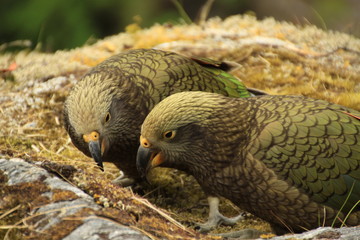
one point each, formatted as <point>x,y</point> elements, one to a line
<point>285,60</point>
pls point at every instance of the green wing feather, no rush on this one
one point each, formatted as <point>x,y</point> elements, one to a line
<point>315,146</point>
<point>233,86</point>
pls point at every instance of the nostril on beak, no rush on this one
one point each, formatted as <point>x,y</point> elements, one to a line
<point>144,142</point>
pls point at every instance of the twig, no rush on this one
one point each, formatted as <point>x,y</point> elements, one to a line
<point>204,11</point>
<point>283,222</point>
<point>182,12</point>
<point>346,200</point>
<point>348,214</point>
<point>160,212</point>
<point>23,220</point>
<point>144,232</point>
<point>10,211</point>
<point>16,43</point>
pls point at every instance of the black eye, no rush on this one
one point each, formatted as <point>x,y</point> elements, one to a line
<point>107,117</point>
<point>169,134</point>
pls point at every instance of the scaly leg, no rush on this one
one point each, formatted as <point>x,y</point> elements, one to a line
<point>216,218</point>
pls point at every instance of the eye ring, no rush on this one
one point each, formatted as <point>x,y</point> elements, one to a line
<point>107,117</point>
<point>169,134</point>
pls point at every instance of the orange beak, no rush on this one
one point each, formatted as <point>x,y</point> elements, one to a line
<point>147,157</point>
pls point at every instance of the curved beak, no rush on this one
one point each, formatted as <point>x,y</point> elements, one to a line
<point>147,159</point>
<point>95,151</point>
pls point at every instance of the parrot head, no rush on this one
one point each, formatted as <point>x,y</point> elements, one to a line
<point>177,133</point>
<point>99,120</point>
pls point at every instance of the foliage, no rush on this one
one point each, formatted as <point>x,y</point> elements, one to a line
<point>59,24</point>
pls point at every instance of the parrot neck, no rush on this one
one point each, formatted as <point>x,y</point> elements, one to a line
<point>225,139</point>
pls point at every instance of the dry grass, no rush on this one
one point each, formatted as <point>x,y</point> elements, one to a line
<point>276,57</point>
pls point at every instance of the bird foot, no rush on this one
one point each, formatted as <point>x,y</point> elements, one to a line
<point>123,181</point>
<point>217,220</point>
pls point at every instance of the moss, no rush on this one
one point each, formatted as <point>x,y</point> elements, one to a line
<point>63,171</point>
<point>62,195</point>
<point>125,207</point>
<point>3,178</point>
<point>13,145</point>
<point>20,198</point>
<point>62,228</point>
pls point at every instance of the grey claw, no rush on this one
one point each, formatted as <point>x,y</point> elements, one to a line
<point>123,181</point>
<point>217,220</point>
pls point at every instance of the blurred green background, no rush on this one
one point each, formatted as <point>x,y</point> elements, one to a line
<point>64,24</point>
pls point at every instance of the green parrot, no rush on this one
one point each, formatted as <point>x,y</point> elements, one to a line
<point>104,111</point>
<point>290,160</point>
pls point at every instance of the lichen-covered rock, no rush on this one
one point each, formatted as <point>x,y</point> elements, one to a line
<point>96,229</point>
<point>57,203</point>
<point>325,233</point>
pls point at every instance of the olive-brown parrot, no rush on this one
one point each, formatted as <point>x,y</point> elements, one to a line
<point>105,109</point>
<point>290,160</point>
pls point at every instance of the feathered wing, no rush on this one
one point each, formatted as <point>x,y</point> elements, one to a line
<point>163,73</point>
<point>167,73</point>
<point>314,146</point>
<point>220,70</point>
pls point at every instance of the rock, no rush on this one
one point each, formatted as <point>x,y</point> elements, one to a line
<point>344,233</point>
<point>56,207</point>
<point>94,229</point>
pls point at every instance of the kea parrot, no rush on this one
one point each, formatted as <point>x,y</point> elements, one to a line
<point>104,111</point>
<point>290,160</point>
